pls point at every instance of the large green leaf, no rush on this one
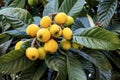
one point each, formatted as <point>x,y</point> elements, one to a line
<point>99,60</point>
<point>17,13</point>
<point>11,22</point>
<point>72,8</point>
<point>51,7</point>
<point>97,38</point>
<point>88,67</point>
<point>74,67</point>
<point>17,3</point>
<point>106,9</point>
<point>114,57</point>
<point>10,56</point>
<point>34,72</point>
<point>4,25</point>
<point>58,63</point>
<point>14,61</point>
<point>82,22</point>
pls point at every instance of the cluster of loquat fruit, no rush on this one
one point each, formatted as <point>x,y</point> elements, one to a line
<point>51,28</point>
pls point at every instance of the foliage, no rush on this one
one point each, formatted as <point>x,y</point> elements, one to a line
<point>96,27</point>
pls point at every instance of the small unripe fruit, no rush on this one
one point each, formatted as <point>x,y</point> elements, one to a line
<point>69,21</point>
<point>51,46</point>
<point>43,35</point>
<point>33,2</point>
<point>18,45</point>
<point>32,30</point>
<point>42,53</point>
<point>65,44</point>
<point>45,21</point>
<point>76,46</point>
<point>60,18</point>
<point>67,33</point>
<point>32,53</point>
<point>55,30</point>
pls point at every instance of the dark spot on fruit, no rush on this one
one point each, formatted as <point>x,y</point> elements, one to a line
<point>56,33</point>
<point>33,57</point>
<point>40,37</point>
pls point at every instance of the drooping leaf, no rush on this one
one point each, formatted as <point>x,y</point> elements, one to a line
<point>74,67</point>
<point>97,38</point>
<point>88,67</point>
<point>10,56</point>
<point>58,63</point>
<point>17,3</point>
<point>4,46</point>
<point>16,33</point>
<point>14,61</point>
<point>114,28</point>
<point>34,72</point>
<point>4,25</point>
<point>82,22</point>
<point>18,13</point>
<point>10,22</point>
<point>113,56</point>
<point>72,8</point>
<point>40,72</point>
<point>99,60</point>
<point>106,9</point>
<point>51,7</point>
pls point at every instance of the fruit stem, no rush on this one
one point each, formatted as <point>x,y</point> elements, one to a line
<point>53,14</point>
<point>38,43</point>
<point>33,42</point>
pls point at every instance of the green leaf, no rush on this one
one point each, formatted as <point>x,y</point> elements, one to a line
<point>37,20</point>
<point>116,75</point>
<point>3,35</point>
<point>75,71</point>
<point>16,33</point>
<point>72,8</point>
<point>17,3</point>
<point>88,67</point>
<point>114,57</point>
<point>97,38</point>
<point>18,13</point>
<point>34,72</point>
<point>39,72</point>
<point>99,60</point>
<point>51,7</point>
<point>114,28</point>
<point>4,25</point>
<point>4,39</point>
<point>58,63</point>
<point>81,22</point>
<point>10,56</point>
<point>10,22</point>
<point>4,46</point>
<point>92,3</point>
<point>14,62</point>
<point>106,9</point>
